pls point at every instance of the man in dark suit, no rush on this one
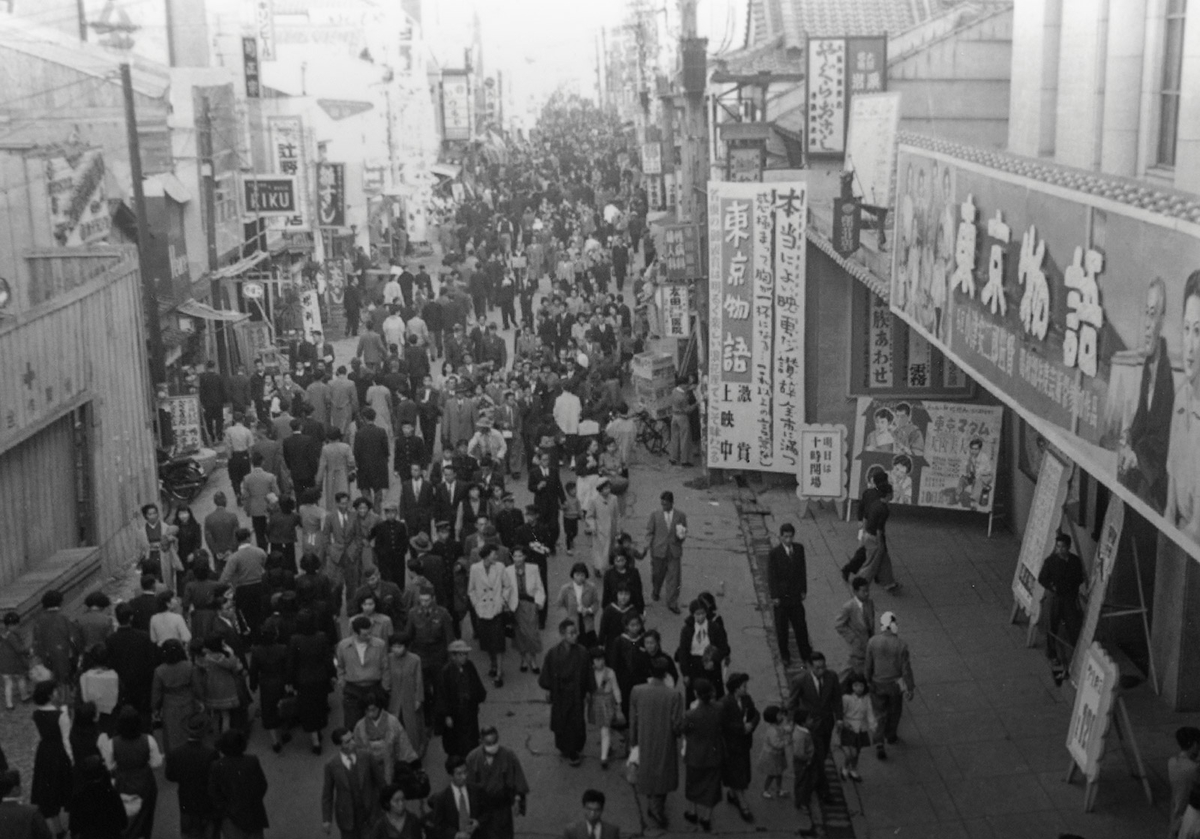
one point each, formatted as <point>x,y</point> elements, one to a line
<point>665,532</point>
<point>17,820</point>
<point>592,826</point>
<point>488,478</point>
<point>350,793</point>
<point>371,456</point>
<point>410,449</point>
<point>302,454</point>
<point>448,497</point>
<point>211,387</point>
<point>189,766</point>
<point>817,692</point>
<point>856,624</point>
<point>133,656</point>
<point>1142,460</point>
<point>237,787</point>
<point>548,496</point>
<point>416,501</point>
<point>145,604</point>
<point>220,531</point>
<point>455,811</point>
<point>787,582</point>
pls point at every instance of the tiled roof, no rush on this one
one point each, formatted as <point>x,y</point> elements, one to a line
<point>832,18</point>
<point>770,57</point>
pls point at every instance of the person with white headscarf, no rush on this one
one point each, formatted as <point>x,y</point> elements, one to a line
<point>890,677</point>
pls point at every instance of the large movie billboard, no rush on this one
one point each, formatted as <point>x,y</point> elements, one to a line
<point>1078,309</point>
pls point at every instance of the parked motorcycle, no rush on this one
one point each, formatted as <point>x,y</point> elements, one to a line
<point>180,478</point>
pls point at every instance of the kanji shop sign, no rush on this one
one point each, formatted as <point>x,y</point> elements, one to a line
<point>823,473</point>
<point>251,68</point>
<point>681,252</point>
<point>838,68</point>
<point>331,194</point>
<point>676,302</point>
<point>1073,306</point>
<point>756,241</point>
<point>287,151</point>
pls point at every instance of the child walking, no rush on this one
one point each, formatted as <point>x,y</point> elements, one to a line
<point>14,659</point>
<point>604,703</point>
<point>572,512</point>
<point>772,760</point>
<point>858,721</point>
<point>806,769</point>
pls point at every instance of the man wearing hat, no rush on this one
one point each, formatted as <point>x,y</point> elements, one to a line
<point>494,349</point>
<point>448,550</point>
<point>459,692</point>
<point>890,677</point>
<point>390,538</point>
<point>188,766</point>
<point>458,417</point>
<point>508,521</point>
<point>487,442</point>
<point>431,568</point>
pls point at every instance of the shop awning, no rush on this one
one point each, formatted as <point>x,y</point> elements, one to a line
<point>241,266</point>
<point>156,186</point>
<point>196,309</point>
<point>446,170</point>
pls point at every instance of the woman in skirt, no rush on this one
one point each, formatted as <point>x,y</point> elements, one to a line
<point>604,703</point>
<point>526,582</point>
<point>490,594</point>
<point>52,777</point>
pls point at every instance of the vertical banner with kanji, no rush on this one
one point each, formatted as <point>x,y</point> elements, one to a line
<point>823,472</point>
<point>680,253</point>
<point>287,155</point>
<point>331,194</point>
<point>756,242</point>
<point>675,301</point>
<point>264,25</point>
<point>185,422</point>
<point>839,69</point>
<point>310,313</point>
<point>251,68</point>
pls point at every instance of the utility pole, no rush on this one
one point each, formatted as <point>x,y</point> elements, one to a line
<point>694,145</point>
<point>149,297</point>
<point>204,143</point>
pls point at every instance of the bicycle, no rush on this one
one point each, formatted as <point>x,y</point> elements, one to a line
<point>652,432</point>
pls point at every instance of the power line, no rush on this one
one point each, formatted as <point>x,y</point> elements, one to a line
<point>36,94</point>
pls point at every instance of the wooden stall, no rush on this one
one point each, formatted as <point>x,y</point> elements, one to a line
<point>77,456</point>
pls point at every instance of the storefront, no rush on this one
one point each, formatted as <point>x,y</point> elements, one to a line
<point>1071,299</point>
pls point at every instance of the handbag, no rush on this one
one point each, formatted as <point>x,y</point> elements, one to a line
<point>39,672</point>
<point>132,804</point>
<point>631,765</point>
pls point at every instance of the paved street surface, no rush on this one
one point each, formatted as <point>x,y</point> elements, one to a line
<point>982,745</point>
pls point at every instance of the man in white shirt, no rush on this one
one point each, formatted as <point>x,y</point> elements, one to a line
<point>393,329</point>
<point>455,811</point>
<point>567,411</point>
<point>392,293</point>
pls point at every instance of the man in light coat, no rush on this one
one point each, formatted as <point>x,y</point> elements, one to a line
<point>855,623</point>
<point>665,532</point>
<point>604,515</point>
<point>343,396</point>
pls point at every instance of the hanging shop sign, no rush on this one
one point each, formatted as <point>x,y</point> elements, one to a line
<point>251,69</point>
<point>651,158</point>
<point>756,241</point>
<point>288,157</point>
<point>744,163</point>
<point>680,252</point>
<point>675,302</point>
<point>823,468</point>
<point>310,313</point>
<point>871,146</point>
<point>456,107</point>
<point>264,25</point>
<point>331,194</point>
<point>938,454</point>
<point>887,358</point>
<point>185,422</point>
<point>1071,306</point>
<point>76,200</point>
<point>847,225</point>
<point>838,69</point>
<point>269,196</point>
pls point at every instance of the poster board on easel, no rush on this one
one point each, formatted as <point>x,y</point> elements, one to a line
<point>1101,573</point>
<point>1045,515</point>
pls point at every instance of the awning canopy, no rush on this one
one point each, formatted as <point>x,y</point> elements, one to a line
<point>156,186</point>
<point>241,266</point>
<point>196,309</point>
<point>446,170</point>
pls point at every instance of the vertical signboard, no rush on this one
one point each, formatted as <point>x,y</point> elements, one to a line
<point>745,164</point>
<point>651,158</point>
<point>680,253</point>
<point>675,301</point>
<point>823,472</point>
<point>871,146</point>
<point>185,422</point>
<point>288,156</point>
<point>251,69</point>
<point>839,69</point>
<point>331,194</point>
<point>264,26</point>
<point>1097,588</point>
<point>1092,711</point>
<point>456,107</point>
<point>1045,514</point>
<point>756,361</point>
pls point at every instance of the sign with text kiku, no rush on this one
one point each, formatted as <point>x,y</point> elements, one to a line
<point>839,69</point>
<point>251,69</point>
<point>1092,713</point>
<point>756,247</point>
<point>937,454</point>
<point>823,473</point>
<point>680,252</point>
<point>268,196</point>
<point>289,158</point>
<point>1074,307</point>
<point>331,194</point>
<point>675,301</point>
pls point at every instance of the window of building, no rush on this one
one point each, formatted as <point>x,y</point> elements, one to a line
<point>1168,117</point>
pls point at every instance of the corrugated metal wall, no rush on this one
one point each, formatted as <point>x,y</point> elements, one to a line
<point>37,498</point>
<point>90,349</point>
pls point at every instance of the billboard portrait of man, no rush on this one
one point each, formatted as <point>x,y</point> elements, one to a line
<point>1142,459</point>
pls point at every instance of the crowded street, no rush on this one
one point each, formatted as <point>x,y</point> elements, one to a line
<point>481,419</point>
